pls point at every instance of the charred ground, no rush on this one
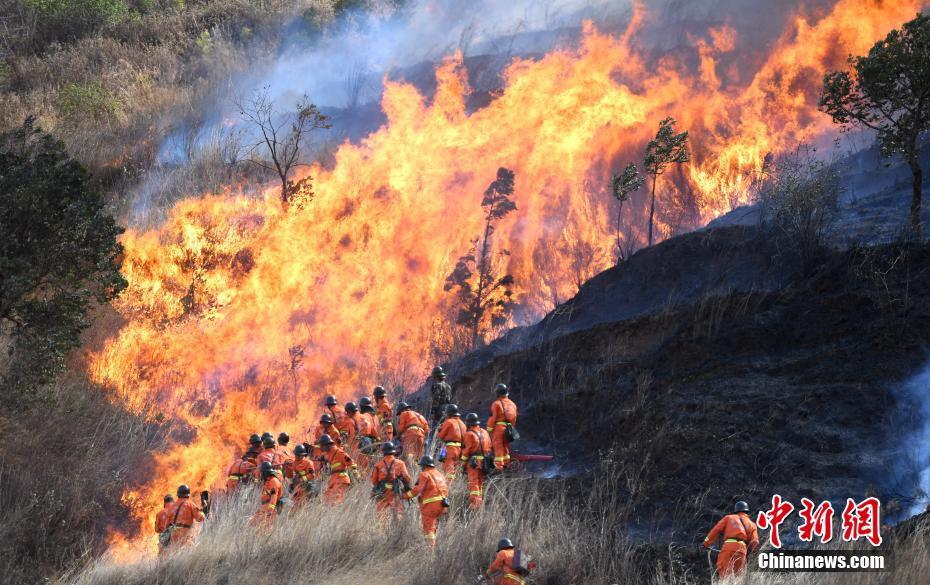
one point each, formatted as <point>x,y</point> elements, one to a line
<point>784,385</point>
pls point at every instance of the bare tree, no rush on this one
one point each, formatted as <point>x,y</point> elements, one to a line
<point>283,136</point>
<point>355,81</point>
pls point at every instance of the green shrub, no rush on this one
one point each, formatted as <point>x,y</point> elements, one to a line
<point>87,100</point>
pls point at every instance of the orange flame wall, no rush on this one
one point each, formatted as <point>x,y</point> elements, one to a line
<point>224,291</point>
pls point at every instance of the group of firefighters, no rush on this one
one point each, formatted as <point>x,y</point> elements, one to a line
<point>346,443</point>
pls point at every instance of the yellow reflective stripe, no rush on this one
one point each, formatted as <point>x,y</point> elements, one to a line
<point>516,578</point>
<point>734,540</point>
<point>431,500</point>
<point>464,458</point>
<point>501,458</point>
<point>302,474</point>
<point>409,494</point>
<point>475,493</point>
<point>345,473</point>
<point>479,457</point>
<point>453,444</point>
<point>272,506</point>
<point>502,423</point>
<point>389,485</point>
<point>235,477</point>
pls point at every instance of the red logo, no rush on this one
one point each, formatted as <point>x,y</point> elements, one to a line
<point>860,520</point>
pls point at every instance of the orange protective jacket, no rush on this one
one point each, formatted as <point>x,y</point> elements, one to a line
<point>411,420</point>
<point>339,464</point>
<point>431,487</point>
<point>183,515</point>
<point>240,472</point>
<point>385,417</point>
<point>350,427</point>
<point>389,470</point>
<point>272,456</point>
<point>163,518</point>
<point>330,430</point>
<point>272,491</point>
<point>477,444</point>
<point>452,432</point>
<point>503,411</point>
<point>368,426</point>
<point>734,528</point>
<point>503,563</point>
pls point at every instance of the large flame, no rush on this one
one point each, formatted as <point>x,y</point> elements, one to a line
<point>241,314</point>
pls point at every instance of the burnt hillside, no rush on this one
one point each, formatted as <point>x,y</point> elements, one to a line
<point>785,384</point>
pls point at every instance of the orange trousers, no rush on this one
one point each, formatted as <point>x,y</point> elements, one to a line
<point>336,489</point>
<point>413,444</point>
<point>430,514</point>
<point>181,536</point>
<point>731,560</point>
<point>475,486</point>
<point>451,465</point>
<point>501,447</point>
<point>390,506</point>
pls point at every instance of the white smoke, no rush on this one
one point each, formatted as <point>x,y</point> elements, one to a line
<point>917,447</point>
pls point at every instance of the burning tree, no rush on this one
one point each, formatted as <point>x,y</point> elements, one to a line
<point>665,149</point>
<point>485,300</point>
<point>283,136</point>
<point>623,185</point>
<point>890,93</point>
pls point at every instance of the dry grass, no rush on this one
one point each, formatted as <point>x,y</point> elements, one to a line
<point>63,467</point>
<point>575,542</point>
<point>106,91</point>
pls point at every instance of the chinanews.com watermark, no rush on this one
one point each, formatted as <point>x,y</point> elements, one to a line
<point>859,522</point>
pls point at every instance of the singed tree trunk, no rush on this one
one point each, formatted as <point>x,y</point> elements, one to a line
<point>916,197</point>
<point>652,205</point>
<point>619,243</point>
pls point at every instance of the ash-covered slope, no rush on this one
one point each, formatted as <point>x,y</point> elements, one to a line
<point>709,369</point>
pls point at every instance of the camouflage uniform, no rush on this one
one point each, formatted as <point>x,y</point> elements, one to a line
<point>441,397</point>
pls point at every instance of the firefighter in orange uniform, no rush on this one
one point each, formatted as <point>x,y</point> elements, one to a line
<point>433,492</point>
<point>303,472</point>
<point>287,456</point>
<point>390,479</point>
<point>163,519</point>
<point>502,569</point>
<point>241,471</point>
<point>740,537</point>
<point>271,455</point>
<point>326,427</point>
<point>272,490</point>
<point>183,515</point>
<point>503,416</point>
<point>412,429</point>
<point>368,431</point>
<point>349,428</point>
<point>385,413</point>
<point>452,433</point>
<point>340,466</point>
<point>477,448</point>
<point>338,415</point>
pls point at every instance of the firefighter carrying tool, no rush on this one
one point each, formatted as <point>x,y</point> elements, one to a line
<point>740,537</point>
<point>502,425</point>
<point>389,480</point>
<point>476,459</point>
<point>340,466</point>
<point>433,492</point>
<point>452,433</point>
<point>510,566</point>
